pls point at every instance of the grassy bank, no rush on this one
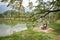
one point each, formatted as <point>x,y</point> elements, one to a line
<point>30,35</point>
<point>56,27</point>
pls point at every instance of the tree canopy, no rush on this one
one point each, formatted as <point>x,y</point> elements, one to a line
<point>41,10</point>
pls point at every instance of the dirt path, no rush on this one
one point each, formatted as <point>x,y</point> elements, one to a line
<point>58,37</point>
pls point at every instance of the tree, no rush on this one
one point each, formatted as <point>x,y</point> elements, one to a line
<point>44,8</point>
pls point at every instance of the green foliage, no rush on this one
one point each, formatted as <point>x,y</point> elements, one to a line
<point>1,16</point>
<point>56,27</point>
<point>13,17</point>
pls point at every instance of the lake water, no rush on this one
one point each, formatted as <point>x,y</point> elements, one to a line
<point>6,30</point>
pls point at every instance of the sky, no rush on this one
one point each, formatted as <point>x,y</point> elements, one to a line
<point>25,2</point>
<point>3,6</point>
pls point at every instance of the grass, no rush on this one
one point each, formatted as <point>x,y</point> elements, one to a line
<point>31,35</point>
<point>56,27</point>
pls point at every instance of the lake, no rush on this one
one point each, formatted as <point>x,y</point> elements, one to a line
<point>6,30</point>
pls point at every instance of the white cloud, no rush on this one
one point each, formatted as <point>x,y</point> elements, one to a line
<point>47,0</point>
<point>25,2</point>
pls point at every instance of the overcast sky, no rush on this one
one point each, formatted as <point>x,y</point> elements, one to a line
<point>25,2</point>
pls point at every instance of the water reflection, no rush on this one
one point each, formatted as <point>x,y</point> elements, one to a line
<point>6,30</point>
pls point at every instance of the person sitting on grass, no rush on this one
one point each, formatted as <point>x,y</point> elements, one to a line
<point>43,27</point>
